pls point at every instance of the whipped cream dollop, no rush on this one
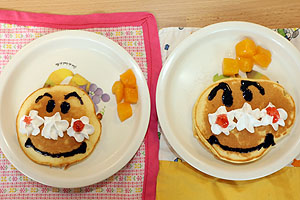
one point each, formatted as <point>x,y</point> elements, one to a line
<point>80,129</point>
<point>30,124</point>
<point>226,123</point>
<point>273,116</point>
<point>222,121</point>
<point>54,127</point>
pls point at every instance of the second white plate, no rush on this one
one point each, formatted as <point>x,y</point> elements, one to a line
<point>190,69</point>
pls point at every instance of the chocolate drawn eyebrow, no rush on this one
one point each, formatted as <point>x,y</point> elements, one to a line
<point>74,94</point>
<point>41,96</point>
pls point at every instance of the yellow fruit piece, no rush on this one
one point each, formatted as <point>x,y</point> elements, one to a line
<point>56,77</point>
<point>261,59</point>
<point>245,64</point>
<point>245,48</point>
<point>118,90</point>
<point>130,95</point>
<point>128,78</point>
<point>230,67</point>
<point>124,111</point>
<point>262,50</point>
<point>78,80</point>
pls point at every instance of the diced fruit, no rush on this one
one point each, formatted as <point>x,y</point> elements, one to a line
<point>263,57</point>
<point>245,48</point>
<point>245,64</point>
<point>256,75</point>
<point>263,60</point>
<point>218,77</point>
<point>262,50</point>
<point>58,76</point>
<point>128,78</point>
<point>124,111</point>
<point>130,95</point>
<point>118,91</point>
<point>230,67</point>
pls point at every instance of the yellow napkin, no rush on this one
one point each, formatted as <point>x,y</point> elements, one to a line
<point>178,180</point>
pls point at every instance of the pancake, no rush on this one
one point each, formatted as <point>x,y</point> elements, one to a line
<point>72,134</point>
<point>241,145</point>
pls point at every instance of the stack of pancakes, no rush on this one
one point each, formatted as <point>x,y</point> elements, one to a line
<point>242,146</point>
<point>65,150</point>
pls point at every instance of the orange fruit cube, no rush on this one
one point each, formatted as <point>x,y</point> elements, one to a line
<point>130,95</point>
<point>262,50</point>
<point>245,64</point>
<point>118,91</point>
<point>261,59</point>
<point>128,78</point>
<point>245,48</point>
<point>124,111</point>
<point>230,67</point>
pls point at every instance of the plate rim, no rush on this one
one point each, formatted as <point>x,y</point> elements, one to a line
<point>81,34</point>
<point>202,32</point>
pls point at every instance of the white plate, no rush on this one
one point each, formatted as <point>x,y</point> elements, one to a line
<point>100,61</point>
<point>189,70</point>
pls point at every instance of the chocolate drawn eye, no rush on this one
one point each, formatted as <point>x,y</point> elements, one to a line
<point>50,106</point>
<point>65,107</point>
<point>247,94</point>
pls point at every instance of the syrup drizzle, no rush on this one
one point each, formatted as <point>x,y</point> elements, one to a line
<point>247,94</point>
<point>269,141</point>
<point>227,98</point>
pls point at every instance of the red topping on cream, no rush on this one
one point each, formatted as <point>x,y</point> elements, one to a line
<point>222,120</point>
<point>78,126</point>
<point>27,120</point>
<point>272,111</point>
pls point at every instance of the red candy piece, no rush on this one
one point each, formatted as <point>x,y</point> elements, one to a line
<point>222,120</point>
<point>78,126</point>
<point>27,120</point>
<point>272,111</point>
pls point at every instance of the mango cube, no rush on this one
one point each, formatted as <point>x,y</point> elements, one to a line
<point>124,111</point>
<point>118,91</point>
<point>128,78</point>
<point>230,67</point>
<point>245,64</point>
<point>130,95</point>
<point>245,48</point>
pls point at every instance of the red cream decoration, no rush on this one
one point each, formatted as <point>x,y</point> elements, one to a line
<point>272,111</point>
<point>27,120</point>
<point>222,120</point>
<point>78,126</point>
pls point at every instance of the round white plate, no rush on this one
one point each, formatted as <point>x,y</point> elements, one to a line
<point>100,61</point>
<point>190,69</point>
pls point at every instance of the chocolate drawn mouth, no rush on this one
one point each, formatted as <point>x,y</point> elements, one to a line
<point>80,150</point>
<point>269,141</point>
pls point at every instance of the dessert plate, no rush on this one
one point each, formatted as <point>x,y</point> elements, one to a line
<point>99,60</point>
<point>190,69</point>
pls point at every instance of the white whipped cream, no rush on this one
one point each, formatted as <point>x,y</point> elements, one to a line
<point>30,124</point>
<point>217,129</point>
<point>54,127</point>
<point>246,119</point>
<point>82,134</point>
<point>267,119</point>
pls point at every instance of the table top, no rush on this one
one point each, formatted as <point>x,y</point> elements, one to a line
<point>193,13</point>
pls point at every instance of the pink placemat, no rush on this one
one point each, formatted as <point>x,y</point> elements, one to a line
<point>137,33</point>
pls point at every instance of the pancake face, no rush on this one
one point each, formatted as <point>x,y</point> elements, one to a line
<point>58,126</point>
<point>239,120</point>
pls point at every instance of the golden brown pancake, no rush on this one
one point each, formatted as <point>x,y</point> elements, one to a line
<point>241,146</point>
<point>70,102</point>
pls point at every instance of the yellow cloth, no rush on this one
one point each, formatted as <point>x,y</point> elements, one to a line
<point>178,180</point>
